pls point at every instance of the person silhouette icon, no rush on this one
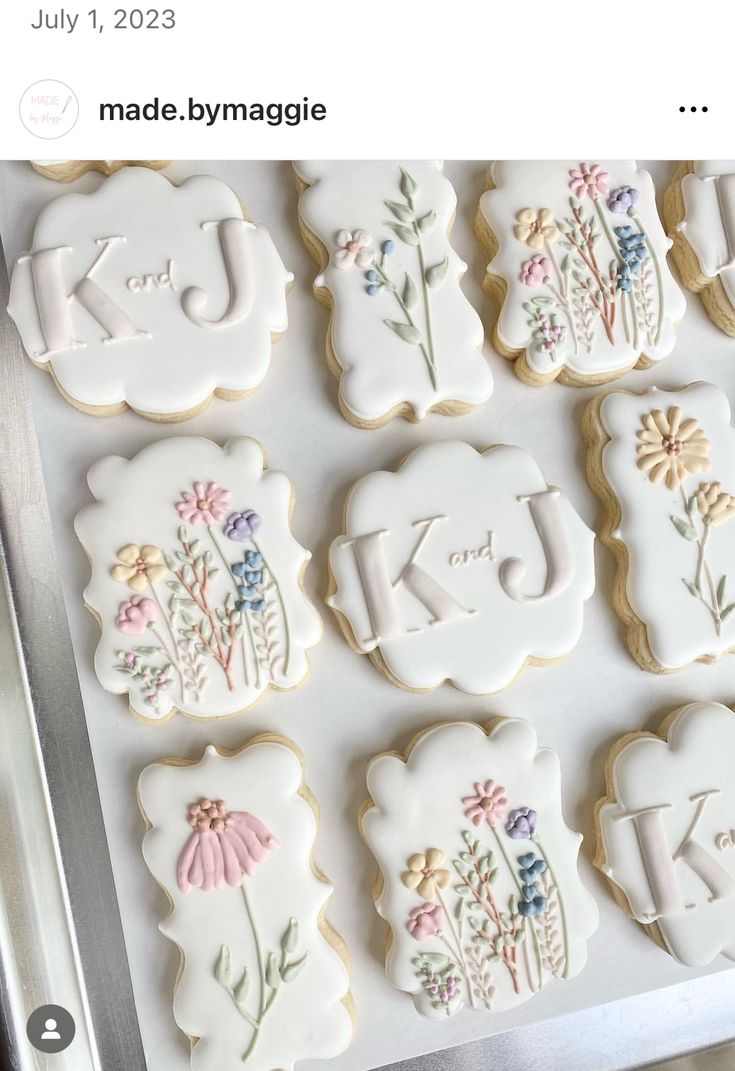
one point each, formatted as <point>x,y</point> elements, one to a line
<point>50,1033</point>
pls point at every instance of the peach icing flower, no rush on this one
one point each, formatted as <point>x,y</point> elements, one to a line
<point>536,228</point>
<point>140,566</point>
<point>425,874</point>
<point>589,180</point>
<point>224,845</point>
<point>426,921</point>
<point>671,448</point>
<point>489,803</point>
<point>206,504</point>
<point>133,617</point>
<point>715,505</point>
<point>354,248</point>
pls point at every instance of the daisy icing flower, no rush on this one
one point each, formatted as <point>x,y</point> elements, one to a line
<point>589,180</point>
<point>207,503</point>
<point>489,803</point>
<point>224,845</point>
<point>671,448</point>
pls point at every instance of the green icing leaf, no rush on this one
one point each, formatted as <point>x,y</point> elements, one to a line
<point>400,211</point>
<point>272,974</point>
<point>721,592</point>
<point>242,988</point>
<point>727,611</point>
<point>543,302</point>
<point>410,294</point>
<point>434,959</point>
<point>462,890</point>
<point>683,528</point>
<point>290,939</point>
<point>408,185</point>
<point>291,972</point>
<point>406,234</point>
<point>692,588</point>
<point>405,331</point>
<point>223,968</point>
<point>437,273</point>
<point>183,533</point>
<point>427,223</point>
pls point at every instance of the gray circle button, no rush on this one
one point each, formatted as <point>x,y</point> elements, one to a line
<point>50,1028</point>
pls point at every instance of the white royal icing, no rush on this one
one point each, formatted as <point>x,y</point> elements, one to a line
<point>667,832</point>
<point>678,535</point>
<point>504,912</point>
<point>180,629</point>
<point>249,916</point>
<point>409,337</point>
<point>579,295</point>
<point>84,306</point>
<point>709,218</point>
<point>519,597</point>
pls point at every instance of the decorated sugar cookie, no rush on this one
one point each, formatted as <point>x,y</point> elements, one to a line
<point>68,170</point>
<point>665,832</point>
<point>699,210</point>
<point>461,566</point>
<point>196,578</point>
<point>578,269</point>
<point>403,339</point>
<point>663,465</point>
<point>263,981</point>
<point>478,871</point>
<point>149,295</point>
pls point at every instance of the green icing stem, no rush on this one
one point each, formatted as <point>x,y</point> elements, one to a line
<point>514,875</point>
<point>175,657</point>
<point>228,567</point>
<point>659,279</point>
<point>562,910</point>
<point>459,953</point>
<point>287,633</point>
<point>390,285</point>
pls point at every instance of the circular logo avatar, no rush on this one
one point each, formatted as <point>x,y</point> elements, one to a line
<point>50,1028</point>
<point>49,109</point>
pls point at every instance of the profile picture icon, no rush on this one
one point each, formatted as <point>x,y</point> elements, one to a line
<point>50,1033</point>
<point>51,1028</point>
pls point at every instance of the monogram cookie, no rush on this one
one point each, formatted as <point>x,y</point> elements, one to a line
<point>665,832</point>
<point>403,339</point>
<point>699,210</point>
<point>578,270</point>
<point>478,870</point>
<point>263,980</point>
<point>149,295</point>
<point>663,465</point>
<point>196,578</point>
<point>461,566</point>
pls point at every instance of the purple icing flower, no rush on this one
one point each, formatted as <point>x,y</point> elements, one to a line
<point>240,526</point>
<point>521,823</point>
<point>623,199</point>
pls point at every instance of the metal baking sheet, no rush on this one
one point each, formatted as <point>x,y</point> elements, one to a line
<point>632,1004</point>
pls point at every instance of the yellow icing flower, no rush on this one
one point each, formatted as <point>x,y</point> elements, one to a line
<point>536,229</point>
<point>424,873</point>
<point>715,505</point>
<point>140,567</point>
<point>671,448</point>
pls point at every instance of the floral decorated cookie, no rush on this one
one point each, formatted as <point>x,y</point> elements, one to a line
<point>263,981</point>
<point>196,578</point>
<point>151,296</point>
<point>68,170</point>
<point>663,466</point>
<point>478,871</point>
<point>461,566</point>
<point>578,270</point>
<point>403,339</point>
<point>665,832</point>
<point>699,210</point>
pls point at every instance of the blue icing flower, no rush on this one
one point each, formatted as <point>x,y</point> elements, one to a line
<point>253,559</point>
<point>388,246</point>
<point>371,276</point>
<point>530,908</point>
<point>373,290</point>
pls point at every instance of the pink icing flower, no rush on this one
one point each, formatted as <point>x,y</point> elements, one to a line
<point>205,505</point>
<point>426,921</point>
<point>589,180</point>
<point>354,247</point>
<point>489,803</point>
<point>535,270</point>
<point>134,616</point>
<point>224,845</point>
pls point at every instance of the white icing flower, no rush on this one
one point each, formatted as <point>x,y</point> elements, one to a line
<point>355,247</point>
